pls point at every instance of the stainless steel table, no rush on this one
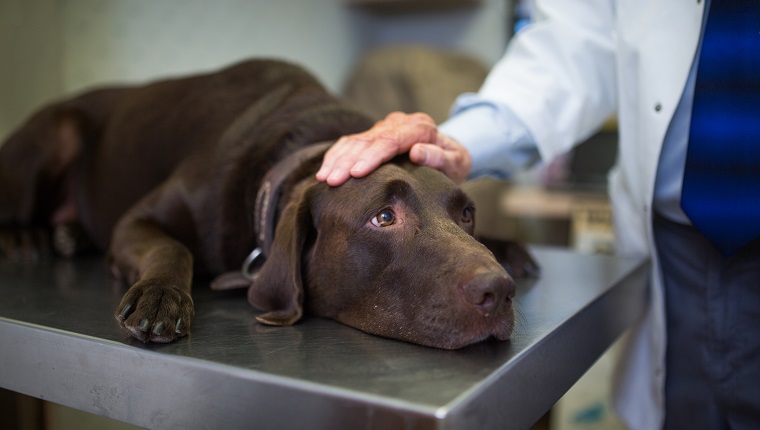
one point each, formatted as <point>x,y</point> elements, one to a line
<point>59,342</point>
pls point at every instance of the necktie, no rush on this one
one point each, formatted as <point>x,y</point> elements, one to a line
<point>721,184</point>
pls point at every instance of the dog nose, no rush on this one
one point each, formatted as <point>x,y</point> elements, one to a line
<point>487,291</point>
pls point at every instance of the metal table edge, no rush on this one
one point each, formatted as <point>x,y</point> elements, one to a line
<point>358,399</point>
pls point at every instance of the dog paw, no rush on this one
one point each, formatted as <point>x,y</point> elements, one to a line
<point>155,311</point>
<point>70,239</point>
<point>24,244</point>
<point>513,256</point>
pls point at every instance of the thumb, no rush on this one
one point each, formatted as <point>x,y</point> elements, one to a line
<point>453,162</point>
<point>427,155</point>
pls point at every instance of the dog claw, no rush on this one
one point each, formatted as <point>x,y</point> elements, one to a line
<point>158,328</point>
<point>125,311</point>
<point>144,325</point>
<point>179,326</point>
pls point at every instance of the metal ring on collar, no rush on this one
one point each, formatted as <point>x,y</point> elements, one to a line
<point>248,269</point>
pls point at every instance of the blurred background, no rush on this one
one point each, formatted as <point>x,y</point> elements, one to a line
<point>50,48</point>
<point>385,55</point>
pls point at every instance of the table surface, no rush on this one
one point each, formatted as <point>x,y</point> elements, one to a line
<point>59,342</point>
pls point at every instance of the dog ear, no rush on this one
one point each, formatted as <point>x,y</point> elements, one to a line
<point>278,288</point>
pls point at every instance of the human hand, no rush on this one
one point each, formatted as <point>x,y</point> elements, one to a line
<point>359,154</point>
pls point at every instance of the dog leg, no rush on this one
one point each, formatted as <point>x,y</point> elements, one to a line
<point>34,161</point>
<point>157,307</point>
<point>35,180</point>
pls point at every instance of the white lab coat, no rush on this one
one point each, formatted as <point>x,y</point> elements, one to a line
<point>580,62</point>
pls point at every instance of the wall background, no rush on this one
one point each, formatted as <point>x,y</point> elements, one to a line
<point>51,48</point>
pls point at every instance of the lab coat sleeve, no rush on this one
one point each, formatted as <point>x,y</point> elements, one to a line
<point>498,142</point>
<point>558,78</point>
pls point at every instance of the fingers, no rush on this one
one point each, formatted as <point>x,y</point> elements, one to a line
<point>358,155</point>
<point>335,164</point>
<point>450,158</point>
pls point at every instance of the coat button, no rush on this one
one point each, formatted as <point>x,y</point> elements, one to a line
<point>657,107</point>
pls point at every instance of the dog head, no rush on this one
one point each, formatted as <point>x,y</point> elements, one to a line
<point>391,254</point>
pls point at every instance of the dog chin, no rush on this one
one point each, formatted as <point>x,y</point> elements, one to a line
<point>481,329</point>
<point>500,330</point>
<point>501,333</point>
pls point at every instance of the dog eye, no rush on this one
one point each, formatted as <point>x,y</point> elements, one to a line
<point>467,214</point>
<point>384,218</point>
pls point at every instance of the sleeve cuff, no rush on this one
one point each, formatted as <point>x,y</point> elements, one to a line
<point>497,141</point>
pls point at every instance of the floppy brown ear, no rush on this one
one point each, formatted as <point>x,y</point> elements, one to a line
<point>278,288</point>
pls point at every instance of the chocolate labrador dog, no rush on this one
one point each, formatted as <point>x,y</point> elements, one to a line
<point>195,173</point>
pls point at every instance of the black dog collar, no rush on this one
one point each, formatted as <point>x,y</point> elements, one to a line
<point>265,207</point>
